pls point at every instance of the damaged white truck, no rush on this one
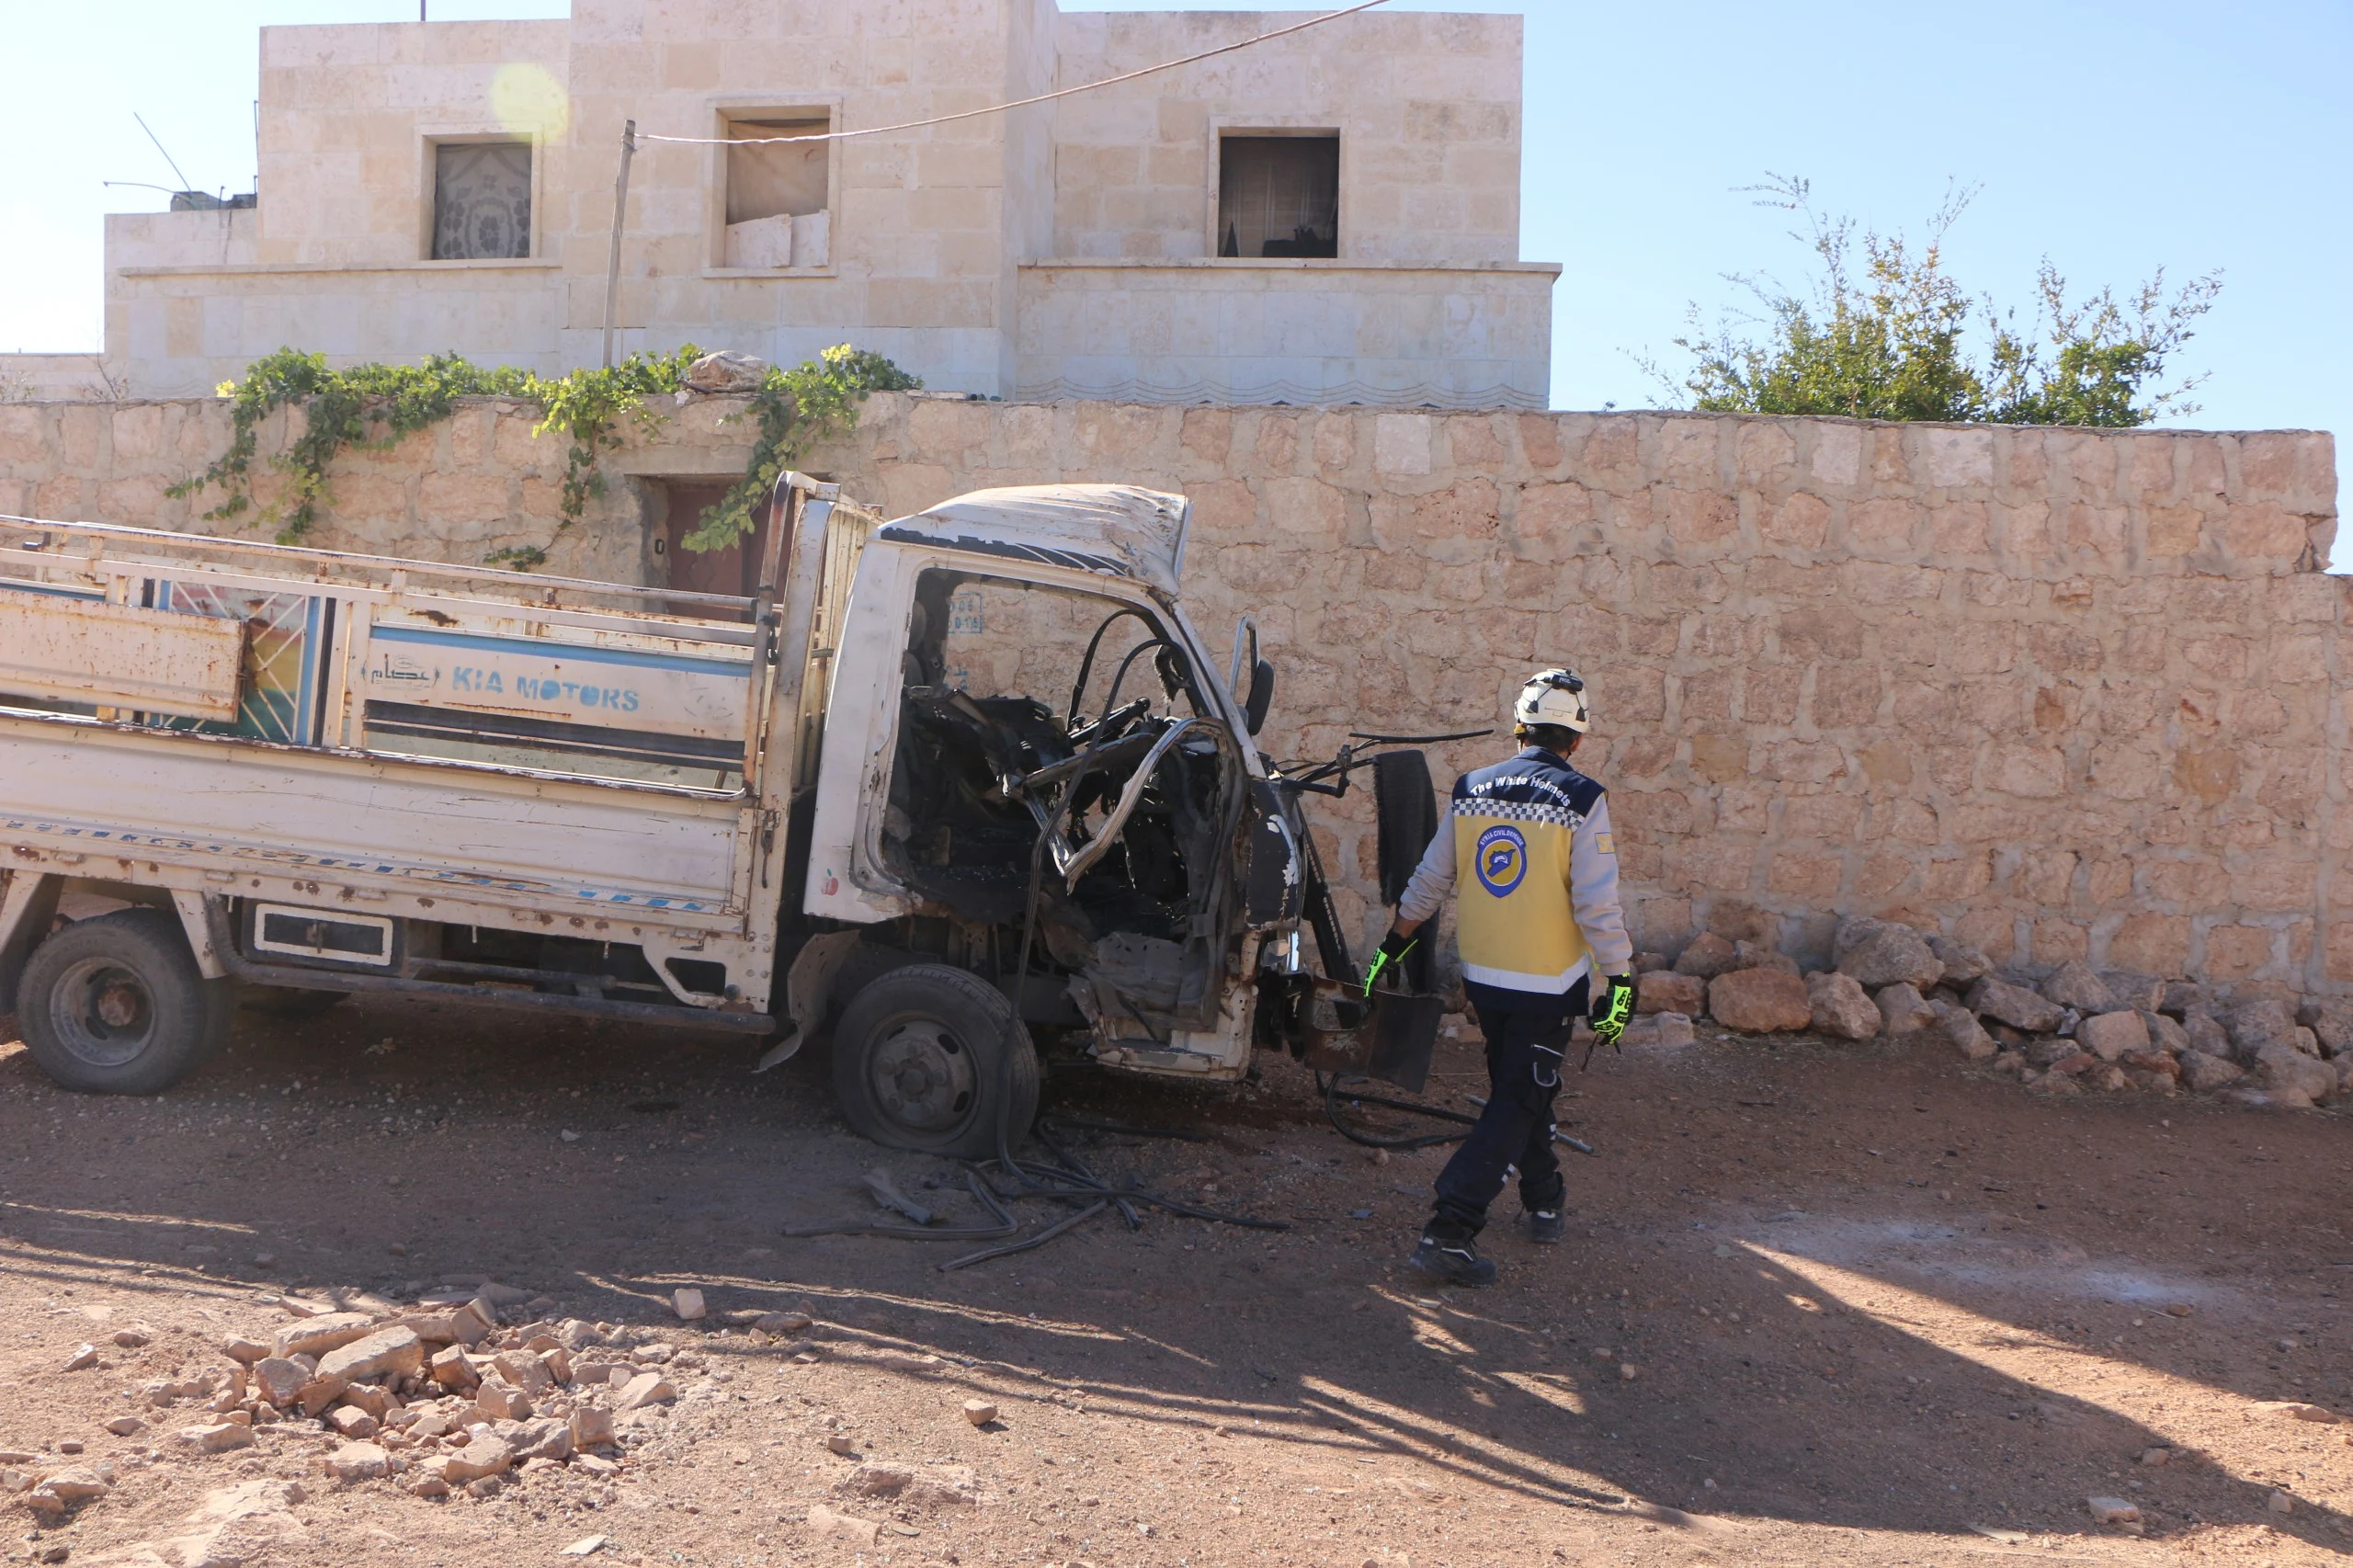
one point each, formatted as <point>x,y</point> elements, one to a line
<point>955,788</point>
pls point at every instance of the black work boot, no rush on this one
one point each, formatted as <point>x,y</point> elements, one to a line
<point>1546,1226</point>
<point>1451,1262</point>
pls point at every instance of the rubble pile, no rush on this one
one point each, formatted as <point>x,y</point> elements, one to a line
<point>440,1397</point>
<point>2072,1031</point>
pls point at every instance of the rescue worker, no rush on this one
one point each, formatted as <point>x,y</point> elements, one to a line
<point>1540,932</point>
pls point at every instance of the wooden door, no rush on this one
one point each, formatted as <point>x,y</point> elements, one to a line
<point>736,569</point>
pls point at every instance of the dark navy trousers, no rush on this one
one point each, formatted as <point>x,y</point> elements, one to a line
<point>1528,1032</point>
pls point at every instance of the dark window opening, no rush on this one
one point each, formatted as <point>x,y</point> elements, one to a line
<point>1279,196</point>
<point>481,200</point>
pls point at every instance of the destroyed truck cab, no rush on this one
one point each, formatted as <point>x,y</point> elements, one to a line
<point>949,790</point>
<point>1036,776</point>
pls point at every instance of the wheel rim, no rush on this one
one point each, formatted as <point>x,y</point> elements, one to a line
<point>102,1014</point>
<point>922,1075</point>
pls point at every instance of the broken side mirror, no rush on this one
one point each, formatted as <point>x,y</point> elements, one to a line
<point>1262,695</point>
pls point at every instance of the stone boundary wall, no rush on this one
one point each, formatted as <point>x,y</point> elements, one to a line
<point>2060,694</point>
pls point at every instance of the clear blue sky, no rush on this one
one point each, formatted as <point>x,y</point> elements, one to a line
<point>2111,137</point>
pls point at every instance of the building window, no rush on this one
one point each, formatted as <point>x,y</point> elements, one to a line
<point>777,199</point>
<point>481,200</point>
<point>1279,196</point>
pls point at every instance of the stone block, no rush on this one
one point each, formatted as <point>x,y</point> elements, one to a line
<point>1759,1001</point>
<point>2132,989</point>
<point>1958,1030</point>
<point>279,1380</point>
<point>1840,1007</point>
<point>2109,1035</point>
<point>2282,1069</point>
<point>352,1422</point>
<point>2255,1025</point>
<point>484,1456</point>
<point>2331,1022</point>
<point>592,1426</point>
<point>646,1388</point>
<point>451,1369</point>
<point>501,1401</point>
<point>2165,1034</point>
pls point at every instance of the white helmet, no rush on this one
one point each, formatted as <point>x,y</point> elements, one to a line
<point>1552,697</point>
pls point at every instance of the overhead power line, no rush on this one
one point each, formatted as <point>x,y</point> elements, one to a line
<point>1020,103</point>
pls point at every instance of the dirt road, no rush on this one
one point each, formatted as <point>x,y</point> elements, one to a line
<point>1816,1305</point>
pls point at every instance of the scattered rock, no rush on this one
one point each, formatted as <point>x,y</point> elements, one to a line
<point>317,1336</point>
<point>2014,1004</point>
<point>1903,1010</point>
<point>244,1351</point>
<point>2109,1035</point>
<point>1670,1031</point>
<point>546,1439</point>
<point>2206,1073</point>
<point>2157,1456</point>
<point>2072,984</point>
<point>1963,964</point>
<point>2050,1049</point>
<point>587,1545</point>
<point>592,1426</point>
<point>687,1301</point>
<point>352,1422</point>
<point>646,1388</point>
<point>392,1352</point>
<point>2113,1510</point>
<point>482,1456</point>
<point>1880,952</point>
<point>1707,956</point>
<point>2280,1503</point>
<point>84,1355</point>
<point>501,1401</point>
<point>134,1339</point>
<point>124,1425</point>
<point>359,1461</point>
<point>979,1412</point>
<point>845,1527</point>
<point>218,1439</point>
<point>1836,1005</point>
<point>1667,991</point>
<point>451,1369</point>
<point>782,1323</point>
<point>841,1443</point>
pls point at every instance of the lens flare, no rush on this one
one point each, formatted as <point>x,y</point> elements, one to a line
<point>529,98</point>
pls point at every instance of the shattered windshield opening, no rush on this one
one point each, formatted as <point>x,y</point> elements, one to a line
<point>1002,681</point>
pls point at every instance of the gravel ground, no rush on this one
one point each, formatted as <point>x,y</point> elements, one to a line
<point>1817,1305</point>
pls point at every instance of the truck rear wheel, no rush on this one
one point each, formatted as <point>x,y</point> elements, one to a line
<point>933,1059</point>
<point>115,1006</point>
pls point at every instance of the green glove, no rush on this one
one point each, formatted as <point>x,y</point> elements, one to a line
<point>1612,1009</point>
<point>1394,949</point>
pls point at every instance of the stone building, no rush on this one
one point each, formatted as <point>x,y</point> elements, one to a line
<point>1332,217</point>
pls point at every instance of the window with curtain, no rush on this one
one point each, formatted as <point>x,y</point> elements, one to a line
<point>481,200</point>
<point>1279,196</point>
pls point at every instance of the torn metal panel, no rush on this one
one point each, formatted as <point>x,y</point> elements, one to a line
<point>1120,529</point>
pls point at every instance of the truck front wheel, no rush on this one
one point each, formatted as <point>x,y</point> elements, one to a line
<point>934,1059</point>
<point>115,1006</point>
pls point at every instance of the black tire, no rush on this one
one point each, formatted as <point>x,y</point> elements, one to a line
<point>294,1003</point>
<point>115,1006</point>
<point>932,1058</point>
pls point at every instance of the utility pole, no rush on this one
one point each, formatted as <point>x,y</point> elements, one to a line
<point>613,262</point>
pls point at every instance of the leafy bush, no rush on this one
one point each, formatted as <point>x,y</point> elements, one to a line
<point>1888,338</point>
<point>373,406</point>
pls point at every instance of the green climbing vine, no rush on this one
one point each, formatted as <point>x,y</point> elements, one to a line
<point>372,407</point>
